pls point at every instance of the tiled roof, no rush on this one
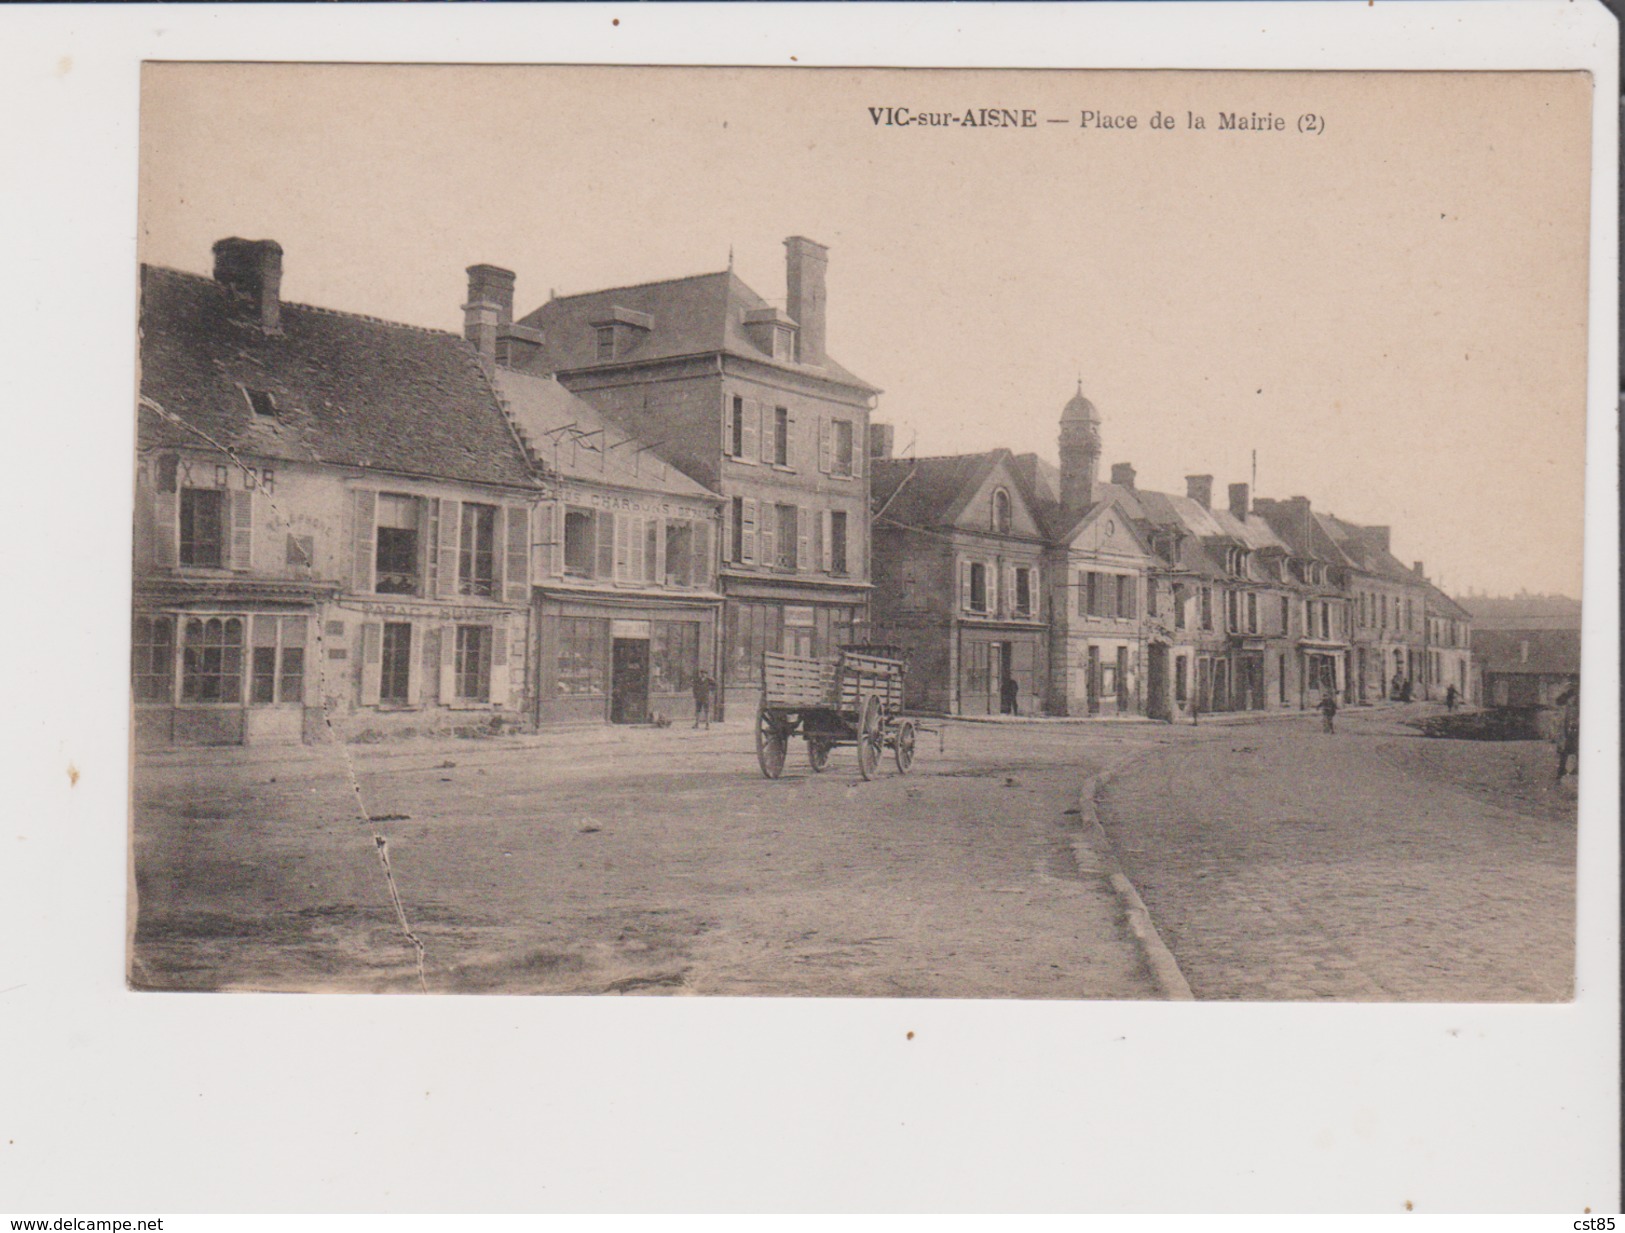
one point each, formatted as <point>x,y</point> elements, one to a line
<point>1442,605</point>
<point>1551,651</point>
<point>922,492</point>
<point>568,436</point>
<point>348,390</point>
<point>697,315</point>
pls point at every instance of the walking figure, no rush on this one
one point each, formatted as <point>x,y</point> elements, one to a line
<point>1451,697</point>
<point>1008,689</point>
<point>1568,730</point>
<point>1328,709</point>
<point>704,690</point>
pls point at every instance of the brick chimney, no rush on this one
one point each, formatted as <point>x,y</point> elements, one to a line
<point>1240,501</point>
<point>253,268</point>
<point>489,307</point>
<point>1123,475</point>
<point>1199,488</point>
<point>805,263</point>
<point>1416,568</point>
<point>881,437</point>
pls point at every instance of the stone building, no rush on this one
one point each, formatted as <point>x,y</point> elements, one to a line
<point>745,399</point>
<point>1448,646</point>
<point>958,561</point>
<point>1387,606</point>
<point>333,520</point>
<point>626,602</point>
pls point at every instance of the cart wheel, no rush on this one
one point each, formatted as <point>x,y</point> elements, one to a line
<point>818,752</point>
<point>869,738</point>
<point>903,746</point>
<point>770,745</point>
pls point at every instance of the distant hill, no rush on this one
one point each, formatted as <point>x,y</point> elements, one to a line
<point>1522,611</point>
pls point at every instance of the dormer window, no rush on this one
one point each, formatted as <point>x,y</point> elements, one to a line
<point>772,331</point>
<point>606,343</point>
<point>618,332</point>
<point>260,402</point>
<point>1001,511</point>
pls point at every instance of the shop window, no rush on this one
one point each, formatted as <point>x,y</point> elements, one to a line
<point>472,665</point>
<point>152,655</point>
<point>476,558</point>
<point>583,652</point>
<point>674,656</point>
<point>203,540</point>
<point>398,556</point>
<point>749,630</point>
<point>394,683</point>
<point>212,660</point>
<point>579,544</point>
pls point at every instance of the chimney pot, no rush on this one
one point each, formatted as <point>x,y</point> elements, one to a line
<point>881,437</point>
<point>805,263</point>
<point>1199,488</point>
<point>253,268</point>
<point>1240,500</point>
<point>491,284</point>
<point>1123,475</point>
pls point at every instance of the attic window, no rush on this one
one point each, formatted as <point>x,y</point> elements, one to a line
<point>606,342</point>
<point>261,402</point>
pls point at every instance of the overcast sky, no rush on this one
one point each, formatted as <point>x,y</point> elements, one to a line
<point>1391,312</point>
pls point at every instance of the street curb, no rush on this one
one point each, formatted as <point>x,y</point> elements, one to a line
<point>1164,968</point>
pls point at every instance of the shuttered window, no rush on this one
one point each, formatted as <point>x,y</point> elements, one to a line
<point>203,527</point>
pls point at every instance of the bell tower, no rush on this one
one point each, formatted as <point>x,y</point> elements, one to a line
<point>1080,453</point>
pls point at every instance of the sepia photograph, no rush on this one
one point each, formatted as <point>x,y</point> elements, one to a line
<point>859,532</point>
<point>810,609</point>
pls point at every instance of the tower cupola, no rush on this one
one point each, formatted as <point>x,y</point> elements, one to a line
<point>1080,452</point>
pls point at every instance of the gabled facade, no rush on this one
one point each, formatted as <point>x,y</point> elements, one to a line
<point>1448,647</point>
<point>333,520</point>
<point>745,399</point>
<point>626,607</point>
<point>958,562</point>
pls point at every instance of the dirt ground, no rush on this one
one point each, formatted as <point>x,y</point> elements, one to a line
<point>635,860</point>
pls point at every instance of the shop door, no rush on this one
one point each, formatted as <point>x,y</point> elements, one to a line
<point>1156,681</point>
<point>798,640</point>
<point>629,681</point>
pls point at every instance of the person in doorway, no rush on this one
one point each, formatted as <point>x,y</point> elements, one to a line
<point>1397,687</point>
<point>1008,691</point>
<point>1451,697</point>
<point>1328,709</point>
<point>1568,730</point>
<point>704,691</point>
<point>1405,690</point>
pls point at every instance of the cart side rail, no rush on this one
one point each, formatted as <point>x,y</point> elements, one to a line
<point>791,681</point>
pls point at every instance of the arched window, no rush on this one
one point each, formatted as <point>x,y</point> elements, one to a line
<point>1001,511</point>
<point>212,660</point>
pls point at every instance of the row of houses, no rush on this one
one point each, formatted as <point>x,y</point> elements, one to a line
<point>571,515</point>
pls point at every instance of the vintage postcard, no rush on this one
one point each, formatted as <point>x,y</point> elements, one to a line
<point>859,532</point>
<point>820,608</point>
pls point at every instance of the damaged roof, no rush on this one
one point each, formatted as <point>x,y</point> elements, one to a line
<point>569,437</point>
<point>342,389</point>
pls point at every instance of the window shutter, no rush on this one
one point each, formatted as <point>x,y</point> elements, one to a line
<point>826,541</point>
<point>993,597</point>
<point>769,436</point>
<point>372,666</point>
<point>1132,594</point>
<point>553,517</point>
<point>964,585</point>
<point>516,584</point>
<point>166,519</point>
<point>790,441</point>
<point>767,534</point>
<point>702,571</point>
<point>603,531</point>
<point>500,671</point>
<point>662,567</point>
<point>859,448</point>
<point>748,538</point>
<point>727,422</point>
<point>824,443</point>
<point>749,415</point>
<point>365,508</point>
<point>448,664</point>
<point>446,582</point>
<point>415,665</point>
<point>727,531</point>
<point>804,560</point>
<point>1085,588</point>
<point>1011,596</point>
<point>623,532</point>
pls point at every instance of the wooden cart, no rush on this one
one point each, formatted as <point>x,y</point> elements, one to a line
<point>854,698</point>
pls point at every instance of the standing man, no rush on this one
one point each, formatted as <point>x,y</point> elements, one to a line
<point>704,690</point>
<point>1450,697</point>
<point>1328,709</point>
<point>1008,690</point>
<point>1568,729</point>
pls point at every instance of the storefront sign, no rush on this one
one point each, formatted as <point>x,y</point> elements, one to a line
<point>634,505</point>
<point>629,629</point>
<point>798,616</point>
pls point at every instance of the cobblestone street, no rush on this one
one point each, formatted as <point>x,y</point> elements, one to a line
<point>1281,863</point>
